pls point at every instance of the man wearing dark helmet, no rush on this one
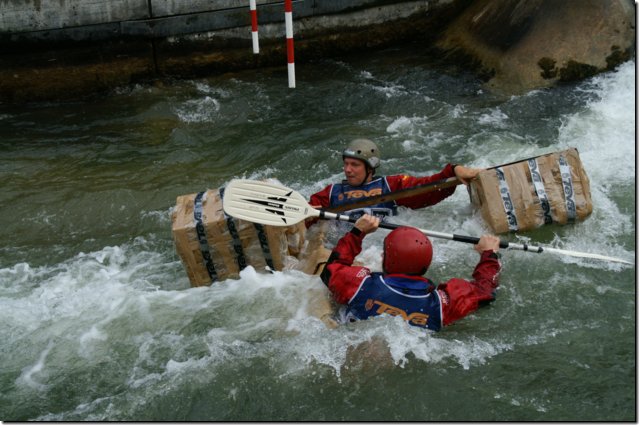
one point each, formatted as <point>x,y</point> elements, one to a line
<point>360,160</point>
<point>401,289</point>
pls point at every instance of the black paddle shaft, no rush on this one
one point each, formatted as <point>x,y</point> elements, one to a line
<point>387,225</point>
<point>475,240</point>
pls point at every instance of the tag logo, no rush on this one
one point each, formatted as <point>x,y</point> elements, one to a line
<point>360,193</point>
<point>416,318</point>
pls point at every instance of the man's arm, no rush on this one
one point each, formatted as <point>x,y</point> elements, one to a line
<point>319,200</point>
<point>339,275</point>
<point>461,297</point>
<point>400,182</point>
<point>465,174</point>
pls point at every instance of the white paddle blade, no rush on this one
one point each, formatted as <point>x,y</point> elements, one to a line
<point>265,203</point>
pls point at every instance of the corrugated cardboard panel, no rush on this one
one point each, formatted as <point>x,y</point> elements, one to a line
<point>513,202</point>
<point>229,251</point>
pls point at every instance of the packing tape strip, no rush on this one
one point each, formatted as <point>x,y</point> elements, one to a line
<point>264,244</point>
<point>506,200</point>
<point>235,237</point>
<point>202,237</point>
<point>538,185</point>
<point>567,185</point>
<point>262,238</point>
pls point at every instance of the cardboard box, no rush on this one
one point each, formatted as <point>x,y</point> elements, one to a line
<point>213,246</point>
<point>551,188</point>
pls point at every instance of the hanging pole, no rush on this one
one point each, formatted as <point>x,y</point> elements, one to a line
<point>288,19</point>
<point>254,26</point>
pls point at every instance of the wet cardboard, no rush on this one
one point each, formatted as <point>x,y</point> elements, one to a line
<point>283,242</point>
<point>486,195</point>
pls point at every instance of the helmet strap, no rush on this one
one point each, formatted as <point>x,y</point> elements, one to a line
<point>370,172</point>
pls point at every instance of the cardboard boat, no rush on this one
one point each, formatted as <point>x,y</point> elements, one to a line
<point>519,196</point>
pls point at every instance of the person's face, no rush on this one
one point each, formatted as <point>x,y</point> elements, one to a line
<point>355,171</point>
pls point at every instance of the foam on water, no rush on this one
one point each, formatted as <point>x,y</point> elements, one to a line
<point>605,138</point>
<point>603,132</point>
<point>26,378</point>
<point>199,110</point>
<point>495,118</point>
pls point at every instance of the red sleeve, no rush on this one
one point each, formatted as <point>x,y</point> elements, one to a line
<point>461,297</point>
<point>321,199</point>
<point>399,182</point>
<point>343,279</point>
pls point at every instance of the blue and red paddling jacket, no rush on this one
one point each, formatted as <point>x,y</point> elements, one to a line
<point>338,194</point>
<point>343,194</point>
<point>414,298</point>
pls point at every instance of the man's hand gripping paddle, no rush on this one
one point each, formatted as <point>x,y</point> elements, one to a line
<point>276,205</point>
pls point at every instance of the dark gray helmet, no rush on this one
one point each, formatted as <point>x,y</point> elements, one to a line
<point>365,150</point>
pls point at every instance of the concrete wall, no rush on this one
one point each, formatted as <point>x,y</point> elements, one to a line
<point>53,49</point>
<point>60,20</point>
<point>35,15</point>
<point>59,49</point>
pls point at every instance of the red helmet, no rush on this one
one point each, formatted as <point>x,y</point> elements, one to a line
<point>406,251</point>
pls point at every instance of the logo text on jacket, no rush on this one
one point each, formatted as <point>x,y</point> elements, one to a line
<point>416,318</point>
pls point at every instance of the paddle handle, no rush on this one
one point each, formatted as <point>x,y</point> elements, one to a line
<point>460,238</point>
<point>475,240</point>
<point>275,205</point>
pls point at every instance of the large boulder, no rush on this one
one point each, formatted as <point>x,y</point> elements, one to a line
<point>519,45</point>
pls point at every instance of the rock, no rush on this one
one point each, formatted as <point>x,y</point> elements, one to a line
<point>520,45</point>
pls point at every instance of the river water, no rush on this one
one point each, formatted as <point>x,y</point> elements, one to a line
<point>98,320</point>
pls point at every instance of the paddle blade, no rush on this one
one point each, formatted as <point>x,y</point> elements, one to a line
<point>265,203</point>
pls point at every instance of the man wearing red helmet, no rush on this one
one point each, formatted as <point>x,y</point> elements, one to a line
<point>401,288</point>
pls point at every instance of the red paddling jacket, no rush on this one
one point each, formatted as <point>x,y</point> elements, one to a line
<point>415,298</point>
<point>341,193</point>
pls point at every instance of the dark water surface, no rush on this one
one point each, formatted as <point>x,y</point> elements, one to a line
<point>98,321</point>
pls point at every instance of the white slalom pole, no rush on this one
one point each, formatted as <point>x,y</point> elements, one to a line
<point>254,26</point>
<point>288,19</point>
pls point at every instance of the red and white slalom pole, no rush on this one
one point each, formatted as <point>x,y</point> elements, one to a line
<point>288,20</point>
<point>254,26</point>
